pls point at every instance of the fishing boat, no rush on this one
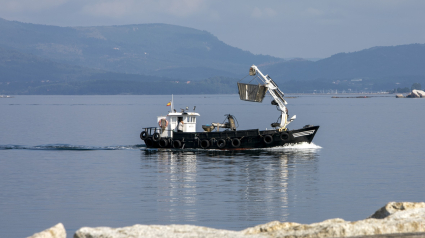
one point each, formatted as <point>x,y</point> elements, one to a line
<point>177,130</point>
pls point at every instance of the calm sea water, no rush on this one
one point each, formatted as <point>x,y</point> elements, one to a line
<point>79,160</point>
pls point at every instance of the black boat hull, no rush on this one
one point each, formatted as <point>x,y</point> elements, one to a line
<point>232,140</point>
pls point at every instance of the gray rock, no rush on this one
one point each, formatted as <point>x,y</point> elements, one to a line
<point>394,218</point>
<point>57,231</point>
<point>137,231</point>
<point>393,207</point>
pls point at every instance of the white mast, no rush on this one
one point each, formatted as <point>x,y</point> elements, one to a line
<point>172,103</point>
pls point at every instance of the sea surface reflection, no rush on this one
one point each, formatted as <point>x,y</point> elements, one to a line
<point>204,187</point>
<point>79,160</point>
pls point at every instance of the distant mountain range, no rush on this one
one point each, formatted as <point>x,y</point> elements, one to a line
<point>150,49</point>
<point>377,68</point>
<point>160,58</point>
<point>376,62</point>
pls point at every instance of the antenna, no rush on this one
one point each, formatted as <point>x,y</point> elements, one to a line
<point>172,103</point>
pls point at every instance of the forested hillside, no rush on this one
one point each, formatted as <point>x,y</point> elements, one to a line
<point>374,69</point>
<point>376,62</point>
<point>149,49</point>
<point>164,59</point>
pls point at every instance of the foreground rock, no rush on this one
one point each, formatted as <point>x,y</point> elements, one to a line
<point>394,218</point>
<point>57,231</point>
<point>137,231</point>
<point>394,207</point>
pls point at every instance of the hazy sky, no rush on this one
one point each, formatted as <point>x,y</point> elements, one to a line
<point>307,28</point>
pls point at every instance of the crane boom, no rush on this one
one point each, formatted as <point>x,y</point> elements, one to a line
<point>274,91</point>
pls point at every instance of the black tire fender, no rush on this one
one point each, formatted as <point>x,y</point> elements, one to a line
<point>156,136</point>
<point>177,144</point>
<point>284,136</point>
<point>163,142</point>
<point>205,144</point>
<point>221,143</point>
<point>268,139</point>
<point>149,142</point>
<point>236,142</point>
<point>143,135</point>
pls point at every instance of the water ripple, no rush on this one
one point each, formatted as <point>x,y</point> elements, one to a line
<point>70,147</point>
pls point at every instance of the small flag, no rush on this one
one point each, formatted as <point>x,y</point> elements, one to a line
<point>169,104</point>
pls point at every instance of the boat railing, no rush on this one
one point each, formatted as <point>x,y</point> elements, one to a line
<point>152,130</point>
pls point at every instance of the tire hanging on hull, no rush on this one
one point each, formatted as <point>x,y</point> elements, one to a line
<point>156,136</point>
<point>143,135</point>
<point>236,142</point>
<point>177,144</point>
<point>163,142</point>
<point>268,139</point>
<point>284,136</point>
<point>149,142</point>
<point>221,143</point>
<point>205,144</point>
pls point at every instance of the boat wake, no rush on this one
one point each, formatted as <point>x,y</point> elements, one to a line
<point>303,146</point>
<point>71,147</point>
<point>298,146</point>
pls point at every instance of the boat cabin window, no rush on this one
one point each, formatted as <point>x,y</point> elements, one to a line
<point>191,119</point>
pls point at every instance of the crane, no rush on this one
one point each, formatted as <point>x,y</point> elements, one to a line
<point>256,93</point>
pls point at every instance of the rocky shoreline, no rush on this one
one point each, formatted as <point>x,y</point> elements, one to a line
<point>396,219</point>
